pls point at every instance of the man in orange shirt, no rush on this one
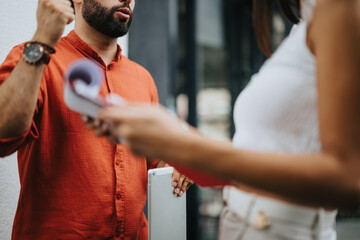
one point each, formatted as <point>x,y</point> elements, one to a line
<point>73,185</point>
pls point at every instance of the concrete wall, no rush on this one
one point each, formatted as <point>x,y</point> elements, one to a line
<point>17,24</point>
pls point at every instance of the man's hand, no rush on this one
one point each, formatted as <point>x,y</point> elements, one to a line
<point>180,182</point>
<point>101,128</point>
<point>52,17</point>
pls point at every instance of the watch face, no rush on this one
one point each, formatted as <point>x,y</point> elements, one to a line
<point>33,52</point>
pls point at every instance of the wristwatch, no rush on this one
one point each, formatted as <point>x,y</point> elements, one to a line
<point>36,53</point>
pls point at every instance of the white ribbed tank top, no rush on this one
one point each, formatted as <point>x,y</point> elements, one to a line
<point>277,111</point>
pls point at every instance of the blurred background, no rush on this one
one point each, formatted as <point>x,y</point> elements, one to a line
<point>201,54</point>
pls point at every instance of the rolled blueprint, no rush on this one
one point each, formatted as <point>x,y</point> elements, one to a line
<point>83,80</point>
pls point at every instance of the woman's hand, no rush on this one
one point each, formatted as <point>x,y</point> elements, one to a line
<point>147,129</point>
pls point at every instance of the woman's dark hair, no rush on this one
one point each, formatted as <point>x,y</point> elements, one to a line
<point>72,4</point>
<point>262,18</point>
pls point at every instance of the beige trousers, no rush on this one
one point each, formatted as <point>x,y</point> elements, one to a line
<point>234,227</point>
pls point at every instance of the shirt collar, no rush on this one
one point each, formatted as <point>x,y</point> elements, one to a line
<point>83,47</point>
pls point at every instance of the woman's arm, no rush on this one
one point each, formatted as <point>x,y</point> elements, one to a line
<point>330,178</point>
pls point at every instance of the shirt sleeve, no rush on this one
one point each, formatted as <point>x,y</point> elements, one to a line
<point>152,163</point>
<point>11,145</point>
<point>202,179</point>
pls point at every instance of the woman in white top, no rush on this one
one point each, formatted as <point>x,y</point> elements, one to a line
<point>295,155</point>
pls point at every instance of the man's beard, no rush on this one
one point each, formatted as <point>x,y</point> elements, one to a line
<point>103,20</point>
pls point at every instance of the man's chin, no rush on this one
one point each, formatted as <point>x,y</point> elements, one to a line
<point>118,34</point>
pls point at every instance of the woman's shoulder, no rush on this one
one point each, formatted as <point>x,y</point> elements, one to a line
<point>334,17</point>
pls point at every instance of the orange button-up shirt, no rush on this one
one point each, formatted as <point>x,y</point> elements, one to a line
<point>74,185</point>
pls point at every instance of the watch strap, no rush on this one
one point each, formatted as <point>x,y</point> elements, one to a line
<point>49,49</point>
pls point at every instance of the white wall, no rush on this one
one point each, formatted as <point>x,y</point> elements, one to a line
<point>17,24</point>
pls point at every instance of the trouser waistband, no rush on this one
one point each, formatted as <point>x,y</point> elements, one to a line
<point>251,206</point>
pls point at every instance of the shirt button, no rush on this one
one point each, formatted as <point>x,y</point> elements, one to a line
<point>118,196</point>
<point>117,163</point>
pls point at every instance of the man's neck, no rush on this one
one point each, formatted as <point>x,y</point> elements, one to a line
<point>105,46</point>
